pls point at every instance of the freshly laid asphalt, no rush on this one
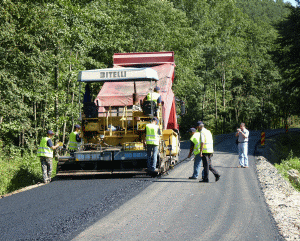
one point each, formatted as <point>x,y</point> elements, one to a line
<point>171,207</point>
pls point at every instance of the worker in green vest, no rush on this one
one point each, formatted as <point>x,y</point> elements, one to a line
<point>74,140</point>
<point>155,96</point>
<point>195,149</point>
<point>206,152</point>
<point>152,141</point>
<point>45,152</point>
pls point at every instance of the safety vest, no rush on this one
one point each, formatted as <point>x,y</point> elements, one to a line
<point>208,143</point>
<point>196,140</point>
<point>152,137</point>
<point>153,96</point>
<point>44,150</point>
<point>73,144</point>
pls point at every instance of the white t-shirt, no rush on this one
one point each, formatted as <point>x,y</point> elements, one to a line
<point>241,138</point>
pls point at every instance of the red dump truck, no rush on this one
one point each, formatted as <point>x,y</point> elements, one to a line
<point>113,125</point>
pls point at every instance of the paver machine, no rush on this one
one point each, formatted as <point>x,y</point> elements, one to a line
<point>113,125</point>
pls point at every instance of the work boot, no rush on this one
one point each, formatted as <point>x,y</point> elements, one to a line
<point>204,180</point>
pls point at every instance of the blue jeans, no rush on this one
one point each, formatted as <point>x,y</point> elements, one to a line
<point>197,165</point>
<point>243,154</point>
<point>152,152</point>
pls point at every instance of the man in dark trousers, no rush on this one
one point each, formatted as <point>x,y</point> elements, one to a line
<point>206,152</point>
<point>45,152</point>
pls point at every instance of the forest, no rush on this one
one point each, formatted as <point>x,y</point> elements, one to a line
<point>236,60</point>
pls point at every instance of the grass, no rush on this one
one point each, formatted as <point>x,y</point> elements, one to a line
<point>18,171</point>
<point>287,148</point>
<point>289,164</point>
<point>279,147</point>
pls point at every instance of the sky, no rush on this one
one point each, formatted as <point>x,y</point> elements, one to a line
<point>293,2</point>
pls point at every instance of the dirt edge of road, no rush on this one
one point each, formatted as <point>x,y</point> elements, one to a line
<point>281,197</point>
<point>22,190</point>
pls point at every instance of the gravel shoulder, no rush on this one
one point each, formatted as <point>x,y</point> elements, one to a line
<point>281,197</point>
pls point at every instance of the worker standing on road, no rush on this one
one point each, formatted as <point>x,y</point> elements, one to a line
<point>45,152</point>
<point>206,152</point>
<point>75,139</point>
<point>152,141</point>
<point>195,149</point>
<point>243,135</point>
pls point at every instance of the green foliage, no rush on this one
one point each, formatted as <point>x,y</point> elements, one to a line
<point>225,70</point>
<point>288,164</point>
<point>19,168</point>
<point>287,57</point>
<point>17,172</point>
<point>229,76</point>
<point>225,73</point>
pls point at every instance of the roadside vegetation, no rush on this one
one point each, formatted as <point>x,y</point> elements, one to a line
<point>288,164</point>
<point>18,171</point>
<point>283,151</point>
<point>290,148</point>
<point>236,61</point>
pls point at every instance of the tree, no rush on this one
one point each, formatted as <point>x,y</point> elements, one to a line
<point>287,56</point>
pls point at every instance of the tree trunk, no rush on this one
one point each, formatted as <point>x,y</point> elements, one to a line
<point>203,106</point>
<point>224,88</point>
<point>45,109</point>
<point>56,77</point>
<point>216,107</point>
<point>56,98</point>
<point>236,114</point>
<point>35,123</point>
<point>64,131</point>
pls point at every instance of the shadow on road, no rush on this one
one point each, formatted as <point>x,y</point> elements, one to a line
<point>183,181</point>
<point>227,167</point>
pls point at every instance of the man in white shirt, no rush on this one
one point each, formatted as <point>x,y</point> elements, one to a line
<point>243,136</point>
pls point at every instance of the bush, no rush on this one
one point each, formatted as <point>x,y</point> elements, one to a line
<point>288,164</point>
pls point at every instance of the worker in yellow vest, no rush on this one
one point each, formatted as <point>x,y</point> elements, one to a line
<point>195,149</point>
<point>152,141</point>
<point>45,152</point>
<point>155,96</point>
<point>206,152</point>
<point>74,140</point>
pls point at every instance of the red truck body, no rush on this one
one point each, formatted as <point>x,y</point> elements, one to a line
<point>120,93</point>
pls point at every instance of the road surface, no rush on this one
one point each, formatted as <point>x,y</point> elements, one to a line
<point>171,207</point>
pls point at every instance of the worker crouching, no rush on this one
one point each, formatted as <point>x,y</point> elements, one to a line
<point>152,141</point>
